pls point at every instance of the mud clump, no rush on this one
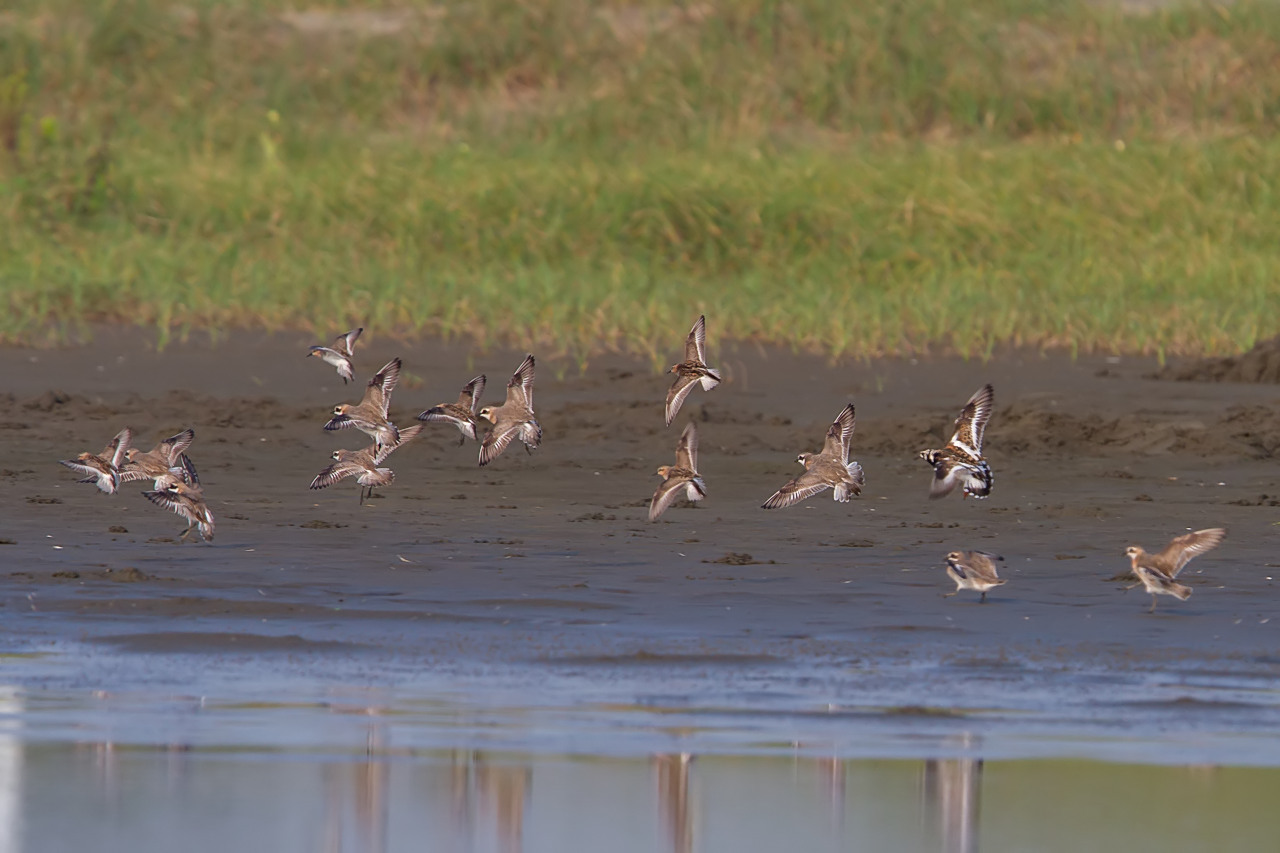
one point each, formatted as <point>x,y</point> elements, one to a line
<point>1259,365</point>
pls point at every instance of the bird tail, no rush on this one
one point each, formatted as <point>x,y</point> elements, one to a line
<point>859,479</point>
<point>1181,590</point>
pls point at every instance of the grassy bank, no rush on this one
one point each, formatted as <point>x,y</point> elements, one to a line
<point>948,175</point>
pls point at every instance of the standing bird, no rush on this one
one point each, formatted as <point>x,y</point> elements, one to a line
<point>514,418</point>
<point>363,465</point>
<point>461,414</point>
<point>370,415</point>
<point>167,457</point>
<point>339,355</point>
<point>1156,572</point>
<point>103,469</point>
<point>974,570</point>
<point>829,469</point>
<point>961,460</point>
<point>682,475</point>
<point>185,500</point>
<point>692,370</point>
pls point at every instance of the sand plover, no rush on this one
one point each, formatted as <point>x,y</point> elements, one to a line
<point>681,476</point>
<point>975,570</point>
<point>514,418</point>
<point>339,355</point>
<point>826,470</point>
<point>363,465</point>
<point>1156,572</point>
<point>961,461</point>
<point>167,457</point>
<point>185,500</point>
<point>693,370</point>
<point>103,469</point>
<point>370,414</point>
<point>461,414</point>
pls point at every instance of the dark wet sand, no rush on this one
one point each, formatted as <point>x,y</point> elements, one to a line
<point>538,580</point>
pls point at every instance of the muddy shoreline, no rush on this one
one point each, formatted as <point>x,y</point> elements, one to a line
<point>539,575</point>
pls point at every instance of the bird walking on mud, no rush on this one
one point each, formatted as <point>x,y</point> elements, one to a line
<point>682,476</point>
<point>364,465</point>
<point>961,461</point>
<point>340,354</point>
<point>974,570</point>
<point>461,414</point>
<point>514,418</point>
<point>829,469</point>
<point>103,469</point>
<point>692,371</point>
<point>1156,572</point>
<point>370,414</point>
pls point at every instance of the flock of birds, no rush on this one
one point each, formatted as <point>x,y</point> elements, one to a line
<point>958,464</point>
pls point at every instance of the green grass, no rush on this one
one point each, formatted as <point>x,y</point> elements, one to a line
<point>900,178</point>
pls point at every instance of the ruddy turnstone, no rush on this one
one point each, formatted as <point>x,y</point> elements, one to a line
<point>514,418</point>
<point>186,500</point>
<point>829,469</point>
<point>974,570</point>
<point>692,370</point>
<point>363,465</point>
<point>167,457</point>
<point>1156,572</point>
<point>339,355</point>
<point>461,414</point>
<point>961,461</point>
<point>370,414</point>
<point>103,469</point>
<point>682,475</point>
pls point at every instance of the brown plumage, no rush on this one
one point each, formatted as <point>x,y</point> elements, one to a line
<point>826,470</point>
<point>693,370</point>
<point>370,414</point>
<point>974,570</point>
<point>461,414</point>
<point>682,476</point>
<point>961,461</point>
<point>103,469</point>
<point>514,418</point>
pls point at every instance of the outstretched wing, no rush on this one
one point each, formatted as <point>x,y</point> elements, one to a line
<point>340,422</point>
<point>971,426</point>
<point>119,446</point>
<point>666,495</point>
<point>521,385</point>
<point>174,447</point>
<point>805,486</point>
<point>346,344</point>
<point>335,472</point>
<point>687,449</point>
<point>947,474</point>
<point>471,393</point>
<point>1183,549</point>
<point>695,346</point>
<point>496,442</point>
<point>382,384</point>
<point>380,452</point>
<point>680,389</point>
<point>839,435</point>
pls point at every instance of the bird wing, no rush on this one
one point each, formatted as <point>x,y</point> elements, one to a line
<point>971,426</point>
<point>805,486</point>
<point>496,441</point>
<point>1183,549</point>
<point>335,472</point>
<point>381,451</point>
<point>695,346</point>
<point>687,449</point>
<point>174,447</point>
<point>119,446</point>
<point>666,495</point>
<point>471,392</point>
<point>381,385</point>
<point>346,344</point>
<point>520,388</point>
<point>839,435</point>
<point>341,422</point>
<point>679,390</point>
<point>947,474</point>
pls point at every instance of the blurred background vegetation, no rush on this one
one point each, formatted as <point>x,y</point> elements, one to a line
<point>889,176</point>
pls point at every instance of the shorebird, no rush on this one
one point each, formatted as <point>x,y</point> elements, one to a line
<point>514,418</point>
<point>185,500</point>
<point>829,469</point>
<point>682,475</point>
<point>339,355</point>
<point>692,370</point>
<point>363,465</point>
<point>167,457</point>
<point>974,570</point>
<point>461,414</point>
<point>103,469</point>
<point>961,461</point>
<point>1156,572</point>
<point>370,414</point>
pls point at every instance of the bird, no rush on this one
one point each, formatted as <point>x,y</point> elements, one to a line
<point>692,370</point>
<point>1180,551</point>
<point>461,414</point>
<point>961,461</point>
<point>974,570</point>
<point>514,418</point>
<point>339,355</point>
<point>829,469</point>
<point>682,475</point>
<point>169,456</point>
<point>370,414</point>
<point>103,469</point>
<point>364,465</point>
<point>186,500</point>
<point>1156,572</point>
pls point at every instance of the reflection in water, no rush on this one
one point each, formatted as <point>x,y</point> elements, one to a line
<point>502,792</point>
<point>11,767</point>
<point>672,773</point>
<point>951,794</point>
<point>364,786</point>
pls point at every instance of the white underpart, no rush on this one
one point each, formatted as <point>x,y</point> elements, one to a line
<point>708,382</point>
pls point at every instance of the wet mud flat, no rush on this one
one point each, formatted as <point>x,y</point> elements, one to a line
<point>530,604</point>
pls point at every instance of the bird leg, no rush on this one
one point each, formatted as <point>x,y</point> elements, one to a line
<point>1130,586</point>
<point>462,440</point>
<point>983,599</point>
<point>527,450</point>
<point>949,594</point>
<point>1153,603</point>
